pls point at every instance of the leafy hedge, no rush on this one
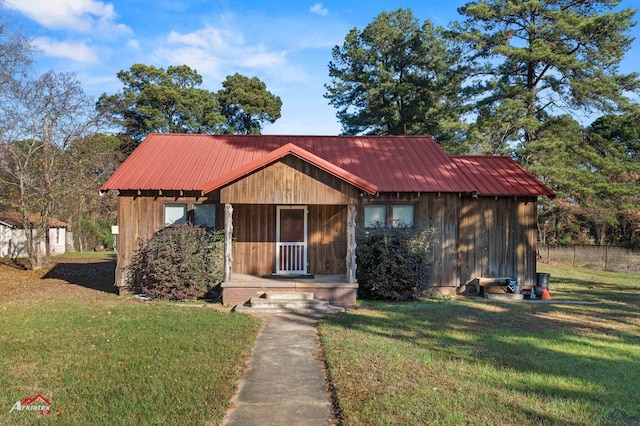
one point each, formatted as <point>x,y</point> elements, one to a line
<point>393,263</point>
<point>180,262</point>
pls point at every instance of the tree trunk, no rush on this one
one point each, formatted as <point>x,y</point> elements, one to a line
<point>228,242</point>
<point>351,244</point>
<point>68,237</point>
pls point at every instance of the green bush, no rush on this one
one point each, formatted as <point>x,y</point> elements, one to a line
<point>179,263</point>
<point>91,233</point>
<point>393,263</point>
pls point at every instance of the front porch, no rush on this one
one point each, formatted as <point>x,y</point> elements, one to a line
<point>242,287</point>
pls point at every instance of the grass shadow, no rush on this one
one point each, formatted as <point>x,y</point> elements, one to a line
<point>530,340</point>
<point>98,276</point>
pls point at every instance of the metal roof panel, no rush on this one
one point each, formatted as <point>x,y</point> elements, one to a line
<point>391,163</point>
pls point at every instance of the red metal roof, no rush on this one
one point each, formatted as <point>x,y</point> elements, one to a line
<point>387,163</point>
<point>494,175</point>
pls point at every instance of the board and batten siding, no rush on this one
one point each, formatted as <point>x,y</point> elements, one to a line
<point>475,237</point>
<point>498,238</point>
<point>140,216</point>
<point>254,233</point>
<point>290,181</point>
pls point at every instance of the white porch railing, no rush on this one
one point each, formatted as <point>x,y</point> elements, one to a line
<point>291,258</point>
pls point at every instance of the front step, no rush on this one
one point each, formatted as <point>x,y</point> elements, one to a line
<point>280,302</point>
<point>298,295</point>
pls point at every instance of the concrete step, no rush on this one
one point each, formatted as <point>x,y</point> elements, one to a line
<point>280,302</point>
<point>259,302</point>
<point>278,295</point>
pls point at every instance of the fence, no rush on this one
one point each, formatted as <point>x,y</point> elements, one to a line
<point>607,258</point>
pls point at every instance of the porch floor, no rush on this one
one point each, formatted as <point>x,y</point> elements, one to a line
<point>330,287</point>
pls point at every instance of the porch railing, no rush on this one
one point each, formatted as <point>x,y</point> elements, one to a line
<point>292,258</point>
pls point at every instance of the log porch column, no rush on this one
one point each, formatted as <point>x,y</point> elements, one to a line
<point>351,244</point>
<point>228,240</point>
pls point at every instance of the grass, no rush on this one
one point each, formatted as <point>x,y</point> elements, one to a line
<point>487,363</point>
<point>104,359</point>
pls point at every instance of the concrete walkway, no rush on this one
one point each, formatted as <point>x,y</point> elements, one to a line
<point>285,380</point>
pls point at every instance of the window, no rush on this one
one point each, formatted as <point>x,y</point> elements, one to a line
<point>375,216</point>
<point>175,214</point>
<point>204,215</point>
<point>402,216</point>
<point>58,242</point>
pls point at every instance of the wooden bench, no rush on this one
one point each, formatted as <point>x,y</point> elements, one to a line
<point>491,281</point>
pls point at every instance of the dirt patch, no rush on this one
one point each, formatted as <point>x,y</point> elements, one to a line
<point>77,277</point>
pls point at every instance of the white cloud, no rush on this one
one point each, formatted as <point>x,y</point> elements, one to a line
<point>133,44</point>
<point>205,38</point>
<point>218,52</point>
<point>77,52</point>
<point>319,9</point>
<point>198,59</point>
<point>76,15</point>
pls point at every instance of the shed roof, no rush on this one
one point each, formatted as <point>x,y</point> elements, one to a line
<point>498,175</point>
<point>191,162</point>
<point>14,220</point>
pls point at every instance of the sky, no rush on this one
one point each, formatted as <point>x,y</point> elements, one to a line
<point>286,44</point>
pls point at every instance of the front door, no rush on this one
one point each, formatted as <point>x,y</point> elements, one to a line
<point>291,240</point>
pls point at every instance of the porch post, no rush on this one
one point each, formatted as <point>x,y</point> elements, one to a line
<point>351,244</point>
<point>228,240</point>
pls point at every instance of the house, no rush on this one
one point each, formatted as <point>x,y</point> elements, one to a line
<point>291,206</point>
<point>13,236</point>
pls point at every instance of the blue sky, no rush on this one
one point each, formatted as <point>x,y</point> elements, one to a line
<point>287,44</point>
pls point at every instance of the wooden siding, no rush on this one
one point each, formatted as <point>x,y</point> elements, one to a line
<point>476,237</point>
<point>289,181</point>
<point>140,216</point>
<point>498,238</point>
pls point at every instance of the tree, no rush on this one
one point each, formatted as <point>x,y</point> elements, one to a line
<point>534,59</point>
<point>38,120</point>
<point>155,100</point>
<point>595,173</point>
<point>171,101</point>
<point>15,54</point>
<point>397,77</point>
<point>246,103</point>
<point>616,139</point>
<point>15,58</point>
<point>89,214</point>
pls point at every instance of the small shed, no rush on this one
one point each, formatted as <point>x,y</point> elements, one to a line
<point>13,235</point>
<point>294,204</point>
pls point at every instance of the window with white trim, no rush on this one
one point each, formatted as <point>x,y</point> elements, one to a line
<point>204,215</point>
<point>402,215</point>
<point>175,214</point>
<point>375,216</point>
<point>58,239</point>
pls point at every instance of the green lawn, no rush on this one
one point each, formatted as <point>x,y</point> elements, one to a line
<point>103,359</point>
<point>488,363</point>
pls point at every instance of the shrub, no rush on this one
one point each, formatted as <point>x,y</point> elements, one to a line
<point>91,233</point>
<point>393,263</point>
<point>180,262</point>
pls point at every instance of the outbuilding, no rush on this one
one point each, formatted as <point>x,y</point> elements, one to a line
<point>14,235</point>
